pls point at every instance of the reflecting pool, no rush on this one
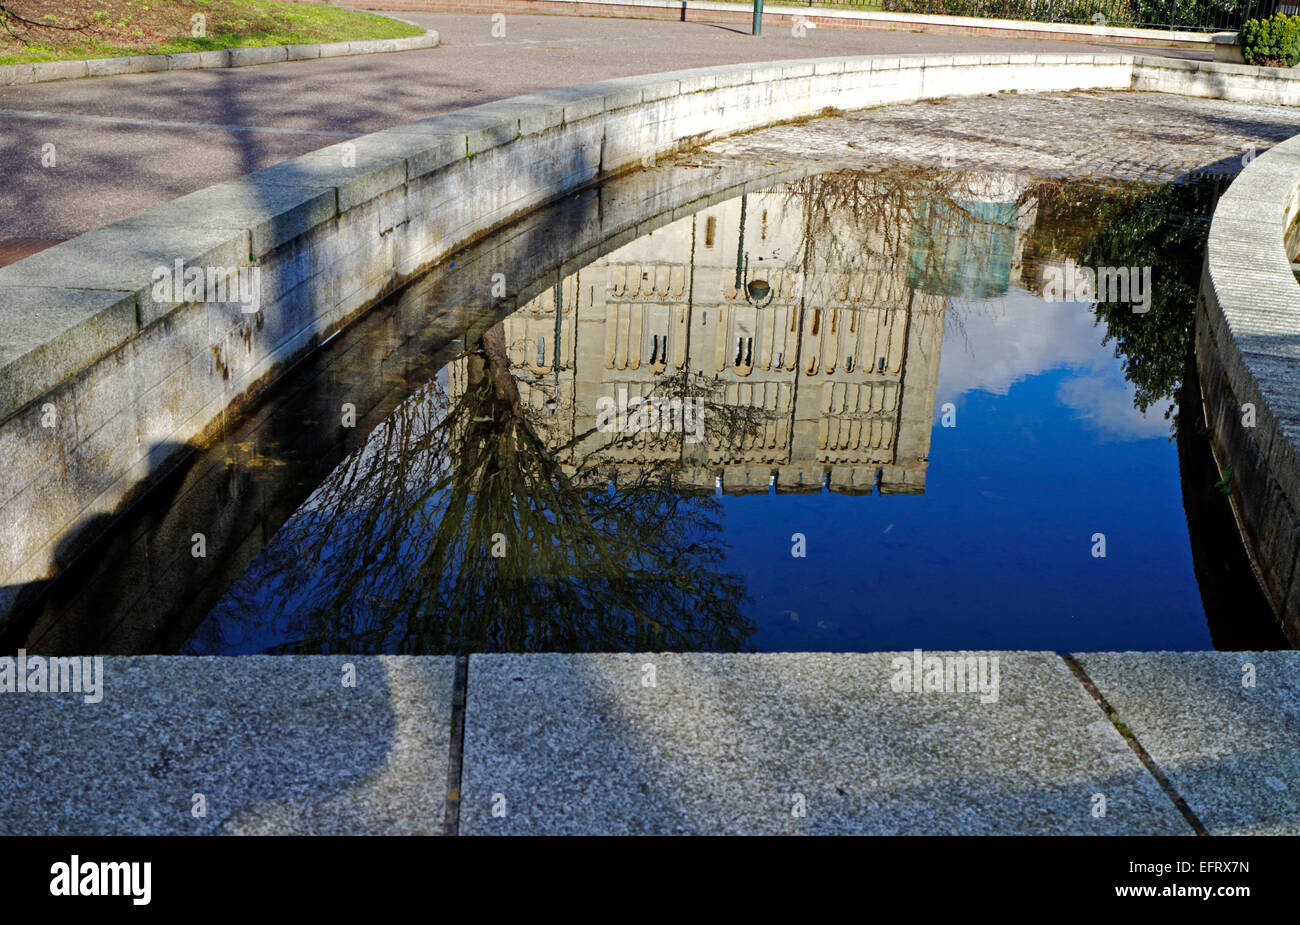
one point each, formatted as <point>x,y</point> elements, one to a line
<point>863,410</point>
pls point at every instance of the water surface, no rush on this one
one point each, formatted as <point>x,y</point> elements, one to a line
<point>695,411</point>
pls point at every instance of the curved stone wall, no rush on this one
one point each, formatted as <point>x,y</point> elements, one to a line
<point>1248,352</point>
<point>105,606</point>
<point>125,347</point>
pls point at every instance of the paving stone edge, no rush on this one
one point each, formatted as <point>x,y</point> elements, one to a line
<point>12,75</point>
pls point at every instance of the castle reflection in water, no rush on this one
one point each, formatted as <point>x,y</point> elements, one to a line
<point>820,304</point>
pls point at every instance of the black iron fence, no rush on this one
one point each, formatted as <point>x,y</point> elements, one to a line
<point>1186,15</point>
<point>1183,15</point>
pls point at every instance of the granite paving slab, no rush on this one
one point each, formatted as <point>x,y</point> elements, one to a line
<point>271,744</point>
<point>1224,727</point>
<point>792,743</point>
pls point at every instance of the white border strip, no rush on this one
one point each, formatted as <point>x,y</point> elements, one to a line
<point>973,22</point>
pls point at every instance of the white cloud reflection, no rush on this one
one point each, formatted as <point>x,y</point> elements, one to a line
<point>990,346</point>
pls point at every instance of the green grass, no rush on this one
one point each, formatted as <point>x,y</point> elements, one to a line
<point>231,24</point>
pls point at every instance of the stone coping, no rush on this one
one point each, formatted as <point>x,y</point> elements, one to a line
<point>110,370</point>
<point>83,289</point>
<point>1252,305</point>
<point>658,743</point>
<point>47,71</point>
<point>1257,293</point>
<point>80,299</point>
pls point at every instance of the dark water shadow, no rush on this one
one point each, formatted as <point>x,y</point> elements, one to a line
<point>141,587</point>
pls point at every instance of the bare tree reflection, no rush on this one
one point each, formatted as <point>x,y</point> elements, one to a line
<point>484,517</point>
<point>948,232</point>
<point>459,529</point>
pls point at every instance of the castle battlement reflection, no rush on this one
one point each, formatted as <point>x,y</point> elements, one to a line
<point>826,320</point>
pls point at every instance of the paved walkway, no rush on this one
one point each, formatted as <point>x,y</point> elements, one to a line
<point>1154,137</point>
<point>655,743</point>
<point>124,144</point>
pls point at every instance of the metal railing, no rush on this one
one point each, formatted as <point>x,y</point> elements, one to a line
<point>1183,15</point>
<point>1178,15</point>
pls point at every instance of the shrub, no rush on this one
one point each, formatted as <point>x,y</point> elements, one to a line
<point>1273,42</point>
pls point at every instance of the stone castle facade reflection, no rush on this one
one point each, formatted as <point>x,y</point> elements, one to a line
<point>837,342</point>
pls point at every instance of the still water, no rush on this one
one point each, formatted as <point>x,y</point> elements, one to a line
<point>856,411</point>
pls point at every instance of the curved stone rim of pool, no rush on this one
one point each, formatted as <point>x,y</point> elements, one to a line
<point>126,346</point>
<point>1248,344</point>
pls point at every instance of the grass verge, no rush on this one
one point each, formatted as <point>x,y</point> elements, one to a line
<point>66,30</point>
